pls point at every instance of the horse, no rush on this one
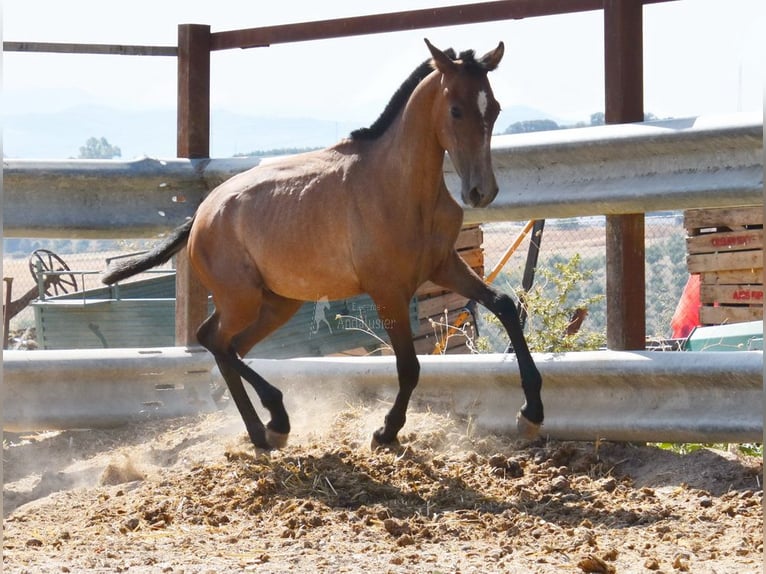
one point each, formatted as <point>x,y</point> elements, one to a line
<point>370,214</point>
<point>321,306</point>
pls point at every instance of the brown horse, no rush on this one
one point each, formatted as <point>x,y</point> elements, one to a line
<point>371,214</point>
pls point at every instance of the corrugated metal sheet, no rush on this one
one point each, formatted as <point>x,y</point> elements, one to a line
<point>144,316</point>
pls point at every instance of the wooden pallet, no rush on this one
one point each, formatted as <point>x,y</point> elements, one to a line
<point>434,301</point>
<point>725,246</point>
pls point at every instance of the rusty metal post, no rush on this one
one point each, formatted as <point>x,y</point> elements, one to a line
<point>625,277</point>
<point>193,142</point>
<point>7,310</point>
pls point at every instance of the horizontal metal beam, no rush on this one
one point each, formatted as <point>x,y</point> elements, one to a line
<point>398,21</point>
<point>708,161</point>
<point>107,198</point>
<point>103,49</point>
<point>340,27</point>
<point>102,388</point>
<point>611,395</point>
<point>604,170</point>
<point>631,396</point>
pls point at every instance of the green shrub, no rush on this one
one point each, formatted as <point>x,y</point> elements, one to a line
<point>551,304</point>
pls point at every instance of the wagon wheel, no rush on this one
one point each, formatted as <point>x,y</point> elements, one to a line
<point>49,261</point>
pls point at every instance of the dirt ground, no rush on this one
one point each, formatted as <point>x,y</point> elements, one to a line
<point>192,496</point>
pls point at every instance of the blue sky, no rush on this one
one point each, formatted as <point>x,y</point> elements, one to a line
<point>701,57</point>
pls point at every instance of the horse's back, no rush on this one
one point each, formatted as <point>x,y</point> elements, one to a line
<point>289,219</point>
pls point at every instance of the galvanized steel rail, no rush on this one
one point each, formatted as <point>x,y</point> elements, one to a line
<point>632,396</point>
<point>604,170</point>
<point>708,161</point>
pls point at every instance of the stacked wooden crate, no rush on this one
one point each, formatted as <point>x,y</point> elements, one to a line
<point>725,246</point>
<point>445,307</point>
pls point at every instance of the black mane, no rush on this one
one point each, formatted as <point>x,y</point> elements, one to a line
<point>400,97</point>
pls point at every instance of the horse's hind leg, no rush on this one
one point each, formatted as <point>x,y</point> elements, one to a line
<point>225,359</point>
<point>457,276</point>
<point>273,311</point>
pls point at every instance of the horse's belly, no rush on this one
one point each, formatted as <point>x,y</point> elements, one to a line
<point>311,281</point>
<point>315,291</point>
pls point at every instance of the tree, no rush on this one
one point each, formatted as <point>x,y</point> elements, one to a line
<point>96,148</point>
<point>276,152</point>
<point>531,126</point>
<point>598,119</point>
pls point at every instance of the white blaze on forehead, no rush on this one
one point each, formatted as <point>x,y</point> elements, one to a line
<point>482,101</point>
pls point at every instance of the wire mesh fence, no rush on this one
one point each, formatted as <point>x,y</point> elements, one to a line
<point>578,245</point>
<point>565,244</point>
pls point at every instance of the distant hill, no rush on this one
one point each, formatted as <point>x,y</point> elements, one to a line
<point>153,132</point>
<point>59,134</point>
<point>522,113</point>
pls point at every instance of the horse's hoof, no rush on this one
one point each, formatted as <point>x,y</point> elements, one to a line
<point>378,444</point>
<point>276,439</point>
<point>527,429</point>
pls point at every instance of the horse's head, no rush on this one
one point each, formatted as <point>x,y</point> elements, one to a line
<point>465,113</point>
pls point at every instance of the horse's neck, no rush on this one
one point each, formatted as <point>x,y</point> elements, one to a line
<point>411,144</point>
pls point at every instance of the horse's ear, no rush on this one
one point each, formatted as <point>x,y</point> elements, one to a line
<point>490,60</point>
<point>441,61</point>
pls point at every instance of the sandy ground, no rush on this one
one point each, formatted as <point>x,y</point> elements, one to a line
<point>193,496</point>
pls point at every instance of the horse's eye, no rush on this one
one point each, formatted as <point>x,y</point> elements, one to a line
<point>456,112</point>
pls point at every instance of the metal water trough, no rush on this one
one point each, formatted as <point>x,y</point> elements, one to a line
<point>142,314</point>
<point>632,396</point>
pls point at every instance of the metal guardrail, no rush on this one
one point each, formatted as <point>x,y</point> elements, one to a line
<point>104,388</point>
<point>712,161</point>
<point>632,396</point>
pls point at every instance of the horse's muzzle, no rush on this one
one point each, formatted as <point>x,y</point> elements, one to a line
<point>475,196</point>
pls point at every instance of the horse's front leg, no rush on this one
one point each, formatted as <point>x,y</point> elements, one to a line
<point>396,320</point>
<point>455,275</point>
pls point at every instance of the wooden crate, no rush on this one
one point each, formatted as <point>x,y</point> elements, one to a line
<point>725,246</point>
<point>433,300</point>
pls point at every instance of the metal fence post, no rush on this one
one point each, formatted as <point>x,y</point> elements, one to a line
<point>193,142</point>
<point>625,273</point>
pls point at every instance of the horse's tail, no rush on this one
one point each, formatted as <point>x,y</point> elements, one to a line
<point>159,254</point>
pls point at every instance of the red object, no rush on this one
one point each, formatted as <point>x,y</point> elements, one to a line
<point>687,313</point>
